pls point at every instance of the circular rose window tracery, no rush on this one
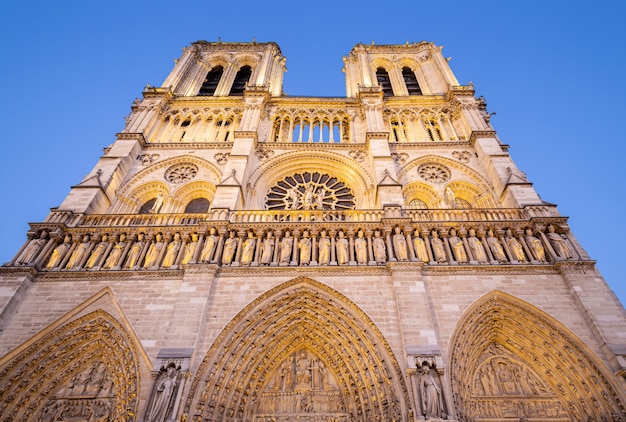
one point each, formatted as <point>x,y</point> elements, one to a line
<point>434,173</point>
<point>181,173</point>
<point>310,191</point>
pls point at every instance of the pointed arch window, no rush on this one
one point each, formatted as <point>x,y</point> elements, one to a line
<point>210,82</point>
<point>384,81</point>
<point>241,79</point>
<point>410,80</point>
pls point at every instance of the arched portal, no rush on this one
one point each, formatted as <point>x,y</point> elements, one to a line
<point>302,350</point>
<point>511,360</point>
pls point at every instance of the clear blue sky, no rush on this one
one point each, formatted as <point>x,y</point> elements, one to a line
<point>552,70</point>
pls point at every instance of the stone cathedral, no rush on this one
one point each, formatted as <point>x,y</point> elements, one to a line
<point>238,254</point>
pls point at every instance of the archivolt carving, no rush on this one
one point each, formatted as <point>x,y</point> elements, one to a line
<point>421,191</point>
<point>267,362</point>
<point>86,368</point>
<point>511,360</point>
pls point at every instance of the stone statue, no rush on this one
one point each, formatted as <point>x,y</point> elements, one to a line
<point>153,252</point>
<point>79,252</point>
<point>247,253</point>
<point>158,203</point>
<point>399,245</point>
<point>59,252</point>
<point>97,252</point>
<point>535,246</point>
<point>172,251</point>
<point>380,250</point>
<point>517,250</point>
<point>267,249</point>
<point>360,246</point>
<point>307,198</point>
<point>477,247</point>
<point>496,247</point>
<point>230,246</point>
<point>430,395</point>
<point>190,249</point>
<point>293,196</point>
<point>305,249</point>
<point>132,260</point>
<point>163,395</point>
<point>342,249</point>
<point>319,199</point>
<point>31,251</point>
<point>458,249</point>
<point>286,246</point>
<point>437,245</point>
<point>420,247</point>
<point>117,251</point>
<point>209,246</point>
<point>324,249</point>
<point>558,243</point>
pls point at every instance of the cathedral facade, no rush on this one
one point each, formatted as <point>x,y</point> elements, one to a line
<point>238,254</point>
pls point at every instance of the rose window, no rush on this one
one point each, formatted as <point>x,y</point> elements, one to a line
<point>434,173</point>
<point>310,191</point>
<point>181,173</point>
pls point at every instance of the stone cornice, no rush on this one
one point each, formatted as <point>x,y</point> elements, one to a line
<point>481,134</point>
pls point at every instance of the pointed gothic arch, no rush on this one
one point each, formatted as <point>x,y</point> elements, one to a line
<point>88,366</point>
<point>511,360</point>
<point>235,379</point>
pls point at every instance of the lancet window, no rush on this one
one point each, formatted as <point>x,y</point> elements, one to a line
<point>311,128</point>
<point>241,79</point>
<point>410,80</point>
<point>210,82</point>
<point>384,81</point>
<point>429,126</point>
<point>205,127</point>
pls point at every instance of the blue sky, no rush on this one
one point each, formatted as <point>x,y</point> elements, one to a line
<point>552,71</point>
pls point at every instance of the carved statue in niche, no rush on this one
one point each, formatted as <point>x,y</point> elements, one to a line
<point>30,251</point>
<point>97,252</point>
<point>496,247</point>
<point>305,248</point>
<point>535,245</point>
<point>247,254</point>
<point>286,246</point>
<point>430,394</point>
<point>59,252</point>
<point>116,252</point>
<point>307,198</point>
<point>209,246</point>
<point>158,203</point>
<point>132,261</point>
<point>230,246</point>
<point>457,247</point>
<point>190,249</point>
<point>478,251</point>
<point>437,245</point>
<point>77,255</point>
<point>324,249</point>
<point>154,251</point>
<point>399,245</point>
<point>163,394</point>
<point>517,250</point>
<point>172,251</point>
<point>380,250</point>
<point>558,243</point>
<point>342,249</point>
<point>420,247</point>
<point>267,249</point>
<point>360,246</point>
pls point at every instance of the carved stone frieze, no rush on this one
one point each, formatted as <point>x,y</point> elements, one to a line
<point>146,159</point>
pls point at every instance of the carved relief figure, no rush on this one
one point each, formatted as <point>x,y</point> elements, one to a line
<point>267,249</point>
<point>477,247</point>
<point>324,249</point>
<point>457,247</point>
<point>496,247</point>
<point>230,245</point>
<point>420,247</point>
<point>247,254</point>
<point>97,252</point>
<point>59,252</point>
<point>399,245</point>
<point>209,246</point>
<point>286,246</point>
<point>558,243</point>
<point>305,248</point>
<point>360,246</point>
<point>190,249</point>
<point>303,371</point>
<point>517,250</point>
<point>114,257</point>
<point>172,251</point>
<point>132,261</point>
<point>29,253</point>
<point>380,250</point>
<point>437,245</point>
<point>342,249</point>
<point>163,395</point>
<point>154,251</point>
<point>430,395</point>
<point>535,245</point>
<point>79,252</point>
